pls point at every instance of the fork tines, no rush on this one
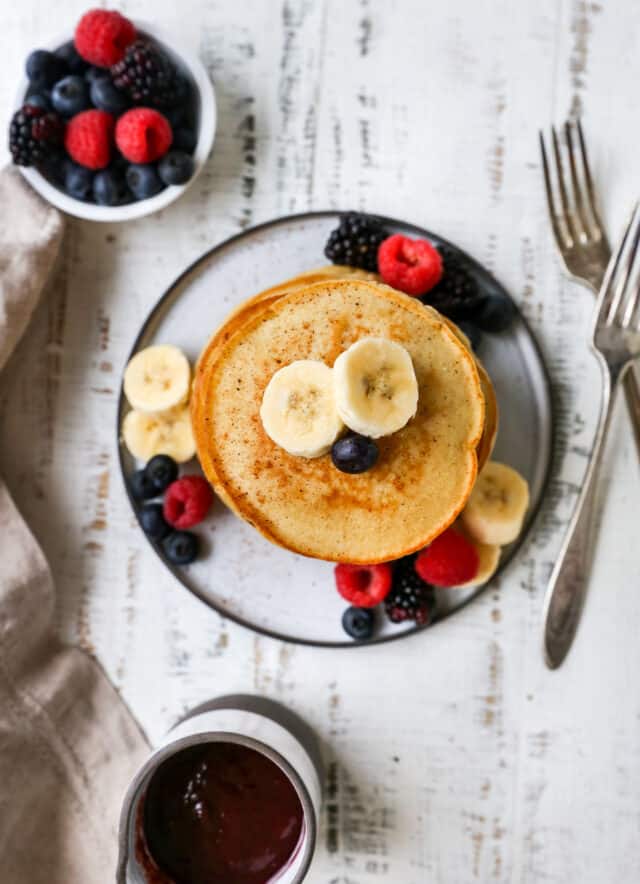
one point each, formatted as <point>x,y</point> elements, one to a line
<point>572,205</point>
<point>620,292</point>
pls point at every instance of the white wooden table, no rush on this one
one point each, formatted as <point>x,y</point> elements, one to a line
<point>455,756</point>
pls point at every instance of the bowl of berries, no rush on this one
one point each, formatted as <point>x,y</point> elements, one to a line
<point>114,121</point>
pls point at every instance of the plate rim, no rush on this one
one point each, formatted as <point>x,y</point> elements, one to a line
<point>531,517</point>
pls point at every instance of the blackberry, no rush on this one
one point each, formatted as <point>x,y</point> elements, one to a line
<point>356,241</point>
<point>457,295</point>
<point>147,76</point>
<point>410,597</point>
<point>33,134</point>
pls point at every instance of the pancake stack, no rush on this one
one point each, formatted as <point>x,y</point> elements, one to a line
<point>425,472</point>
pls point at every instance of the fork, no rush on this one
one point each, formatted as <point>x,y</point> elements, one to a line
<point>578,230</point>
<point>615,341</point>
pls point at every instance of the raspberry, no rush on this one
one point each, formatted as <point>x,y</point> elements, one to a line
<point>412,266</point>
<point>143,135</point>
<point>450,560</point>
<point>102,37</point>
<point>364,586</point>
<point>187,501</point>
<point>33,135</point>
<point>410,597</point>
<point>89,138</point>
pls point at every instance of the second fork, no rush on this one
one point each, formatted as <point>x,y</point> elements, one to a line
<point>616,343</point>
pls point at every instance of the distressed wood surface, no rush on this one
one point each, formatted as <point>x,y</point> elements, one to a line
<point>454,756</point>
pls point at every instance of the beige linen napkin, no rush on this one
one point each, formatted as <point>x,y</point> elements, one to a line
<point>68,745</point>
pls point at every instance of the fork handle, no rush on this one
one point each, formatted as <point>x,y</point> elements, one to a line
<point>568,583</point>
<point>632,395</point>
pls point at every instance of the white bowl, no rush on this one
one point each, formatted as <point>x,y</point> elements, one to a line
<point>189,63</point>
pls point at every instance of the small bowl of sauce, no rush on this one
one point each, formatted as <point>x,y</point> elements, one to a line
<point>222,807</point>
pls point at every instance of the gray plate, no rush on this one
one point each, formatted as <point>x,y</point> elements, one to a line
<point>240,574</point>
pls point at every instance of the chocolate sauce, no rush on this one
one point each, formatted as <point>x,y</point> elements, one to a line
<point>221,813</point>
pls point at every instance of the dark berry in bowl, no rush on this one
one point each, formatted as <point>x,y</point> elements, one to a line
<point>496,313</point>
<point>141,486</point>
<point>147,76</point>
<point>143,181</point>
<point>106,97</point>
<point>354,453</point>
<point>181,547</point>
<point>108,187</point>
<point>70,96</point>
<point>78,181</point>
<point>44,68</point>
<point>54,166</point>
<point>176,167</point>
<point>69,56</point>
<point>153,522</point>
<point>162,470</point>
<point>92,74</point>
<point>182,90</point>
<point>175,115</point>
<point>355,241</point>
<point>184,139</point>
<point>39,99</point>
<point>358,623</point>
<point>33,135</point>
<point>472,332</point>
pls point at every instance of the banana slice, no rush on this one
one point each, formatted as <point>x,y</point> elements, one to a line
<point>376,387</point>
<point>157,378</point>
<point>488,558</point>
<point>146,435</point>
<point>496,508</point>
<point>298,408</point>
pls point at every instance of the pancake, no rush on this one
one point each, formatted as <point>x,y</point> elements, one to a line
<point>254,305</point>
<point>491,417</point>
<point>425,472</point>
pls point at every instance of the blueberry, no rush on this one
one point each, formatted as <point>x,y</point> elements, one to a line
<point>184,139</point>
<point>182,89</point>
<point>153,521</point>
<point>472,332</point>
<point>78,181</point>
<point>143,181</point>
<point>92,74</point>
<point>496,313</point>
<point>106,97</point>
<point>175,115</point>
<point>358,623</point>
<point>141,486</point>
<point>176,167</point>
<point>39,99</point>
<point>181,547</point>
<point>43,69</point>
<point>69,56</point>
<point>70,96</point>
<point>162,470</point>
<point>354,453</point>
<point>119,162</point>
<point>54,166</point>
<point>108,187</point>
